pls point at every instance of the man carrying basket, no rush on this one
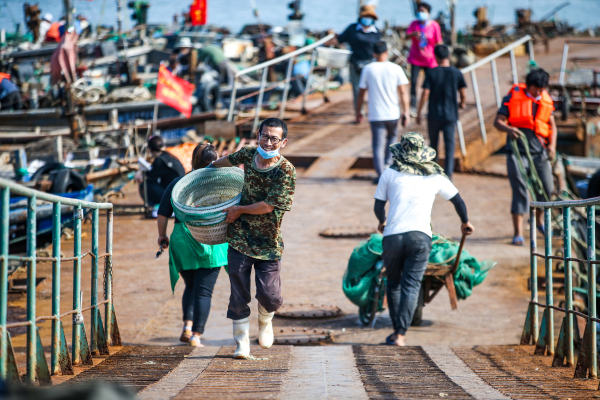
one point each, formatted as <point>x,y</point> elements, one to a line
<point>254,234</point>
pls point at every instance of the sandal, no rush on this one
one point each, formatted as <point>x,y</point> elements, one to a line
<point>186,335</point>
<point>195,342</point>
<point>389,341</point>
<point>518,241</point>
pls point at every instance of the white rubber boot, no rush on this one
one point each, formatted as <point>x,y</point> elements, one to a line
<point>265,327</point>
<point>241,334</point>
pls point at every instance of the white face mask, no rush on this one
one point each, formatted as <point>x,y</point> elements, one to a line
<point>422,16</point>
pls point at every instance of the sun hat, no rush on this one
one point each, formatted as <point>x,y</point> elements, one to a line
<point>368,11</point>
<point>413,156</point>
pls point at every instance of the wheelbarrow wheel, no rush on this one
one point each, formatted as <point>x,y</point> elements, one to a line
<point>418,315</point>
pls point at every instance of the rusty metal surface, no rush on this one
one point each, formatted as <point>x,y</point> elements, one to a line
<point>516,373</point>
<point>226,377</point>
<point>308,311</point>
<point>136,366</point>
<point>301,336</point>
<point>390,372</point>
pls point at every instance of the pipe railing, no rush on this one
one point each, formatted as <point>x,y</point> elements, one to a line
<point>542,335</point>
<point>491,59</point>
<point>101,336</point>
<point>565,56</point>
<point>265,67</point>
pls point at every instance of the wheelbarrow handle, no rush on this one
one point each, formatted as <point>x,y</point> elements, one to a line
<point>460,249</point>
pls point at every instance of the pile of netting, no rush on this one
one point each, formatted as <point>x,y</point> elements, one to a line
<point>200,198</point>
<point>361,271</point>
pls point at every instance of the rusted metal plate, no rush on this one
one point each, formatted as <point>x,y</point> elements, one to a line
<point>301,336</point>
<point>348,232</point>
<point>516,373</point>
<point>229,378</point>
<point>308,311</point>
<point>390,372</point>
<point>136,366</point>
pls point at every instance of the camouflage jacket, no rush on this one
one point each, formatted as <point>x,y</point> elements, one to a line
<point>259,236</point>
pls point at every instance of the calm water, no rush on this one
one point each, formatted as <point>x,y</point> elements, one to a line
<point>319,14</point>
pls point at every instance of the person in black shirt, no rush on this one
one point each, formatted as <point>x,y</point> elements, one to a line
<point>440,87</point>
<point>164,170</point>
<point>361,36</point>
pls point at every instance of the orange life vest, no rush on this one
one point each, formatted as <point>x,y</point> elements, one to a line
<point>520,110</point>
<point>53,34</point>
<point>4,76</point>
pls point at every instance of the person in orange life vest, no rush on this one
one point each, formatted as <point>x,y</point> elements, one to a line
<point>527,112</point>
<point>9,94</point>
<point>53,34</point>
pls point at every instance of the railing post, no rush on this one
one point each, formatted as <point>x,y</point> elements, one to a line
<point>549,280</point>
<point>4,226</point>
<point>232,99</point>
<point>94,290</point>
<point>31,278</point>
<point>77,217</point>
<point>54,365</point>
<point>568,284</point>
<point>326,83</point>
<point>461,138</point>
<point>513,66</point>
<point>530,47</point>
<point>496,84</point>
<point>591,250</point>
<point>108,276</point>
<point>308,80</point>
<point>563,64</point>
<point>261,94</point>
<point>478,104</point>
<point>286,88</point>
<point>534,274</point>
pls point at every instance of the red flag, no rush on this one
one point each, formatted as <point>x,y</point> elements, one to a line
<point>198,11</point>
<point>174,91</point>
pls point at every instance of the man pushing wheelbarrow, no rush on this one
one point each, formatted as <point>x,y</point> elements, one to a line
<point>410,185</point>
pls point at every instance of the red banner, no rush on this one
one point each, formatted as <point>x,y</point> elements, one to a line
<point>198,12</point>
<point>174,91</point>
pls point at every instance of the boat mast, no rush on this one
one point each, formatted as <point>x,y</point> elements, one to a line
<point>119,16</point>
<point>68,12</point>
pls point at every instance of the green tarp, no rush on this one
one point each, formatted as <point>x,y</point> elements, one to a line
<point>361,267</point>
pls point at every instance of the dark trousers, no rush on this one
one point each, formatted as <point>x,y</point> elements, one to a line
<point>199,285</point>
<point>155,192</point>
<point>520,195</point>
<point>383,136</point>
<point>266,277</point>
<point>414,76</point>
<point>448,128</point>
<point>405,258</point>
<point>11,101</point>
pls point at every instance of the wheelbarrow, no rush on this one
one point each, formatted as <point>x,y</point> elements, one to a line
<point>435,278</point>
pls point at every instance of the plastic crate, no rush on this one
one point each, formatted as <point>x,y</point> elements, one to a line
<point>334,58</point>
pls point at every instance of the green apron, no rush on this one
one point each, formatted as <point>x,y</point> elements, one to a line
<point>185,253</point>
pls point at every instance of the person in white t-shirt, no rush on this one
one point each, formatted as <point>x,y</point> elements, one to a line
<point>386,84</point>
<point>410,185</point>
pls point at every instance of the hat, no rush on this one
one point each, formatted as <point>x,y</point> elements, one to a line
<point>48,17</point>
<point>184,42</point>
<point>368,11</point>
<point>412,155</point>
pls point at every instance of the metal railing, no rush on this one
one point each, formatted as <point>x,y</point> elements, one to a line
<point>265,68</point>
<point>565,56</point>
<point>542,335</point>
<point>491,59</point>
<point>101,336</point>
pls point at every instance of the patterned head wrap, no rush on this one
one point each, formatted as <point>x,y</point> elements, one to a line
<point>413,156</point>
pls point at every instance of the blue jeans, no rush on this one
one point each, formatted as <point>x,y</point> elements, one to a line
<point>405,257</point>
<point>384,135</point>
<point>448,129</point>
<point>199,285</point>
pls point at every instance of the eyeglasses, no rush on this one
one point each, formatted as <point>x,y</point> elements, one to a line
<point>266,138</point>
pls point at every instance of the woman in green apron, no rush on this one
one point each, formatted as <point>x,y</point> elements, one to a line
<point>198,264</point>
